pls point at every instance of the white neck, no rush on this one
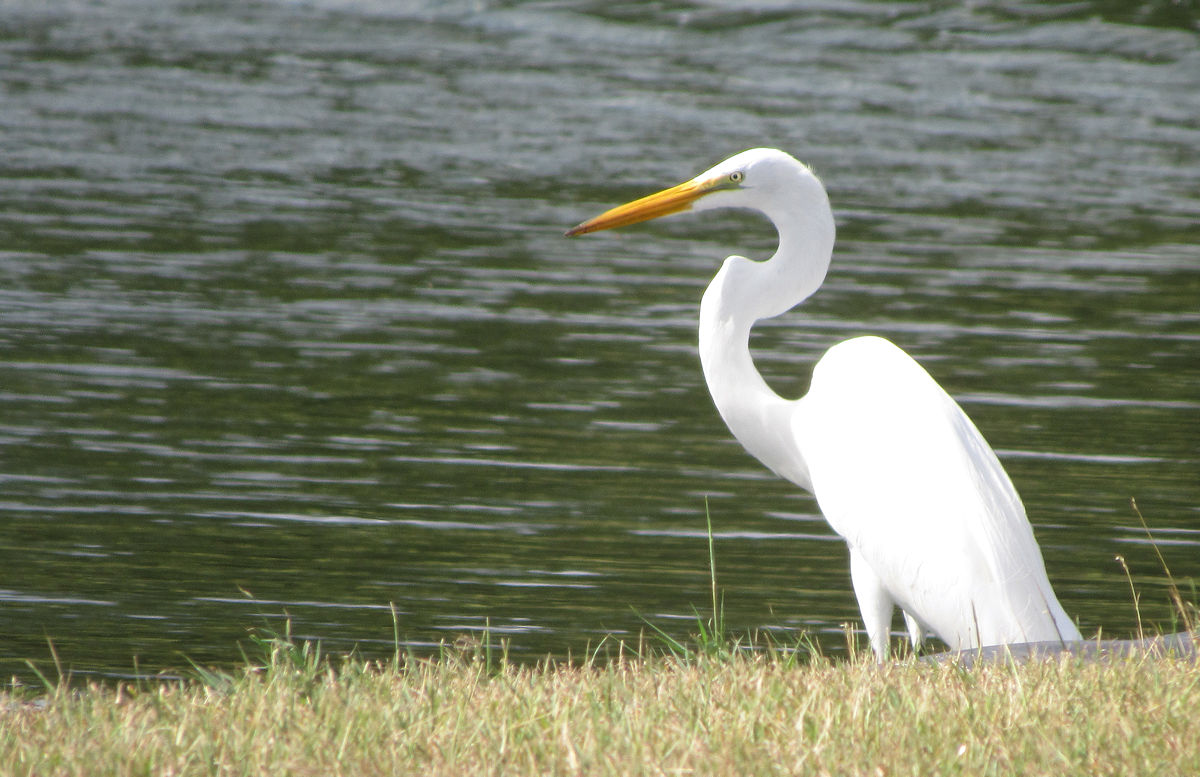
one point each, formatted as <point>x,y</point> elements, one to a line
<point>744,292</point>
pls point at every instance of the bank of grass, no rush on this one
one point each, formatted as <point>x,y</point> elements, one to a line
<point>707,707</point>
<point>713,712</point>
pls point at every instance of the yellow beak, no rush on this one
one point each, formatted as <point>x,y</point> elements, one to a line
<point>664,203</point>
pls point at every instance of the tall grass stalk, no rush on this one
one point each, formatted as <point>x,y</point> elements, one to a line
<point>718,619</point>
<point>1186,614</point>
<point>1137,599</point>
<point>711,637</point>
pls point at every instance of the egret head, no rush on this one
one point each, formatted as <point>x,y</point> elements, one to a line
<point>751,179</point>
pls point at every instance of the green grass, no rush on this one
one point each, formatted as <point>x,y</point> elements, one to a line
<point>294,711</point>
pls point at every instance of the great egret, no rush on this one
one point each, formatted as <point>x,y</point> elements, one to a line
<point>931,519</point>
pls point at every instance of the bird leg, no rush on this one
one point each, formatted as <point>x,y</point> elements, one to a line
<point>916,634</point>
<point>874,603</point>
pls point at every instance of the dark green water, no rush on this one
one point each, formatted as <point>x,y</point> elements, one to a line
<point>287,323</point>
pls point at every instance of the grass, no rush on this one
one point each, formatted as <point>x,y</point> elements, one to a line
<point>296,712</point>
<point>709,707</point>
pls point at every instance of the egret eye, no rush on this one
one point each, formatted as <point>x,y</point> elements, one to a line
<point>737,176</point>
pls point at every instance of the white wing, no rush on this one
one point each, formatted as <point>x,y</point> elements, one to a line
<point>904,476</point>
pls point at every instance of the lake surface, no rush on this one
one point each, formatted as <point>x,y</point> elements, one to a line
<point>288,326</point>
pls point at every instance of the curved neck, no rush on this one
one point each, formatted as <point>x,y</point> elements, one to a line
<point>742,293</point>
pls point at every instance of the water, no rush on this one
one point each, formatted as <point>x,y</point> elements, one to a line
<point>288,327</point>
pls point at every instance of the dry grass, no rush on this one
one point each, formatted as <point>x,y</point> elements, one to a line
<point>296,713</point>
<point>708,708</point>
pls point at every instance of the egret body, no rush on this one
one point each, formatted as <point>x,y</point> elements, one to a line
<point>931,519</point>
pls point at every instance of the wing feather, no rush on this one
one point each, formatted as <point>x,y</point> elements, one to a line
<point>904,476</point>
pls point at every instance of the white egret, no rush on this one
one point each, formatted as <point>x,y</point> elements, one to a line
<point>932,521</point>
